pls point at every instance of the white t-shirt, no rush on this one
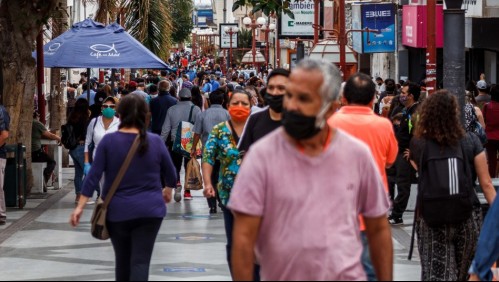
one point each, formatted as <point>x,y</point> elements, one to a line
<point>97,131</point>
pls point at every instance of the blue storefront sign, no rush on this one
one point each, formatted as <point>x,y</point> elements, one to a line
<point>380,17</point>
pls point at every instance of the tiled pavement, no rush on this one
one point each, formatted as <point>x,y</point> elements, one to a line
<point>38,244</point>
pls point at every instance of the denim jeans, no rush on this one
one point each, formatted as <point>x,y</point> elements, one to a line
<point>133,243</point>
<point>366,259</point>
<point>229,228</point>
<point>78,156</point>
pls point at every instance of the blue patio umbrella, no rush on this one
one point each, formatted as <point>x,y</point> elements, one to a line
<point>90,44</point>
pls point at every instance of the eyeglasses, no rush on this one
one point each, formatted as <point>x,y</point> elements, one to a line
<point>108,106</point>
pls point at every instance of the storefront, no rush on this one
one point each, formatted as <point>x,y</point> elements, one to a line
<point>414,38</point>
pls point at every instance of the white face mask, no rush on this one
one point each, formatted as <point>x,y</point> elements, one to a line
<point>154,96</point>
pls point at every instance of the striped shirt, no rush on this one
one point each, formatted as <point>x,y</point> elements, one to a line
<point>206,120</point>
<point>177,114</point>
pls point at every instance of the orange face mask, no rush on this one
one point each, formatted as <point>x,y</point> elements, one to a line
<point>239,113</point>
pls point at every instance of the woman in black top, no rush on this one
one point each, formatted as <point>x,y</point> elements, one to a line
<point>453,158</point>
<point>78,120</point>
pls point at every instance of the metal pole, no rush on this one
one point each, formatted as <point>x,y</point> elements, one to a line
<point>41,76</point>
<point>20,174</point>
<point>230,49</point>
<point>89,85</point>
<point>454,51</point>
<point>316,21</point>
<point>253,28</point>
<point>277,49</point>
<point>267,46</point>
<point>342,40</point>
<point>431,49</point>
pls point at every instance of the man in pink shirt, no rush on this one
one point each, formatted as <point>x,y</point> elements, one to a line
<point>300,190</point>
<point>358,119</point>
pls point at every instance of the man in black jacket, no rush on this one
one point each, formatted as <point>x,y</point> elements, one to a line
<point>159,106</point>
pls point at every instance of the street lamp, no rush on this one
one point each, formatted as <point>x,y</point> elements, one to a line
<point>267,30</point>
<point>231,31</point>
<point>254,24</point>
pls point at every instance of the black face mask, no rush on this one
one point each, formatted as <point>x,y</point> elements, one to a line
<point>274,102</point>
<point>298,126</point>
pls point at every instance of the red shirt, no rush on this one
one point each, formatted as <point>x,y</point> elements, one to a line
<point>376,132</point>
<point>491,115</point>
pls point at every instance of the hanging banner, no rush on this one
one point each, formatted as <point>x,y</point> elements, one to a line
<point>380,17</point>
<point>301,25</point>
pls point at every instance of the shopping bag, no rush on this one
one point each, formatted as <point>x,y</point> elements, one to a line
<point>193,177</point>
<point>184,138</point>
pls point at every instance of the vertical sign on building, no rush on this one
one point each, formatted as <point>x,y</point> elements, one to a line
<point>379,17</point>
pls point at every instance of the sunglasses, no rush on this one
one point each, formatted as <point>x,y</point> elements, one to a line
<point>108,106</point>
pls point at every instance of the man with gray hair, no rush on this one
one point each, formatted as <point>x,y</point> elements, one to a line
<point>303,225</point>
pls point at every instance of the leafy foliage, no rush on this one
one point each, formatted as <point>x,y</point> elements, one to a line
<point>149,21</point>
<point>181,11</point>
<point>268,7</point>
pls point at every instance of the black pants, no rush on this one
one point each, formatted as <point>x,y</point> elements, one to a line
<point>392,181</point>
<point>405,175</point>
<point>133,243</point>
<point>229,228</point>
<point>212,202</point>
<point>42,157</point>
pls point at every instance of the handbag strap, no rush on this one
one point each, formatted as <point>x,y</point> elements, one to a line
<point>190,114</point>
<point>121,173</point>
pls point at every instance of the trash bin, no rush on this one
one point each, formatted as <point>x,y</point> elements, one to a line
<point>11,186</point>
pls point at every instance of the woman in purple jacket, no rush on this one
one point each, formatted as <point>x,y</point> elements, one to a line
<point>137,209</point>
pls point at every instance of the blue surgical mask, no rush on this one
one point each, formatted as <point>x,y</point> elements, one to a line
<point>108,113</point>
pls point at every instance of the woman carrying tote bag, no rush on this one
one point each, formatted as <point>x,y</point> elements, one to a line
<point>137,209</point>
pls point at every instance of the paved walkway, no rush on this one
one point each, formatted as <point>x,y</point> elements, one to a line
<point>38,243</point>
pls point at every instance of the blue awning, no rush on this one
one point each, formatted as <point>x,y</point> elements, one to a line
<point>90,44</point>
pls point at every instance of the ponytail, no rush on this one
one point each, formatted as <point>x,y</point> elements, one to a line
<point>144,144</point>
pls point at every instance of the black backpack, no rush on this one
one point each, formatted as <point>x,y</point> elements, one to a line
<point>445,192</point>
<point>68,138</point>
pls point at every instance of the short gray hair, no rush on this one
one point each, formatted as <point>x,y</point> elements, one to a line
<point>164,85</point>
<point>331,86</point>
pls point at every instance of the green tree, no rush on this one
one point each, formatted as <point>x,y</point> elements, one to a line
<point>268,7</point>
<point>149,21</point>
<point>20,23</point>
<point>182,26</point>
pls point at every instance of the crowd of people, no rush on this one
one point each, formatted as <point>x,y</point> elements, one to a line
<point>302,166</point>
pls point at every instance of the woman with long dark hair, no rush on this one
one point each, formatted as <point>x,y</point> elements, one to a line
<point>138,207</point>
<point>448,161</point>
<point>78,120</point>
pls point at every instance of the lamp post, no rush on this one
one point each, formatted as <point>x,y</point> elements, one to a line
<point>254,24</point>
<point>231,31</point>
<point>268,29</point>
